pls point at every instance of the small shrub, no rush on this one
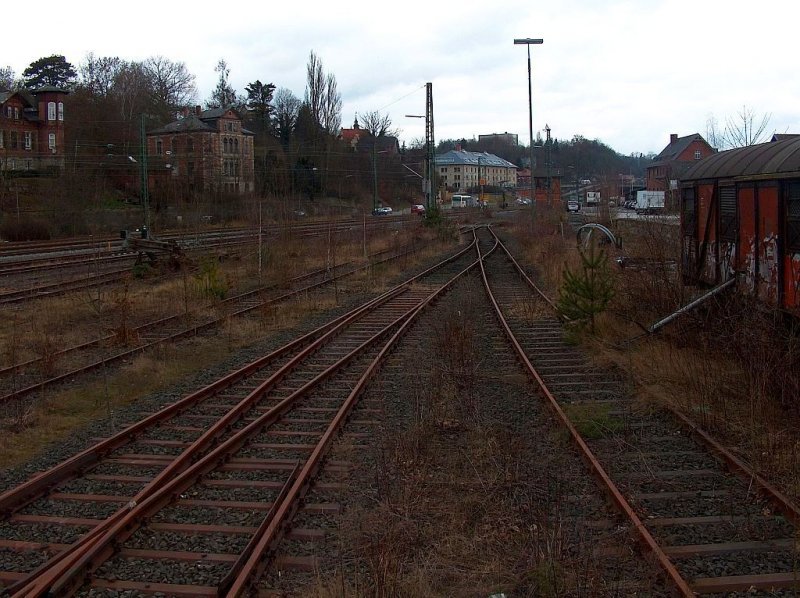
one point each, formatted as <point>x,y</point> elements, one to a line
<point>141,270</point>
<point>210,281</point>
<point>587,293</point>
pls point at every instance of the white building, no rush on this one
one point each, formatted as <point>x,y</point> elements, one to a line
<point>461,170</point>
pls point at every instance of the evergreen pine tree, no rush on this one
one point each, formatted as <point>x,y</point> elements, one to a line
<point>588,291</point>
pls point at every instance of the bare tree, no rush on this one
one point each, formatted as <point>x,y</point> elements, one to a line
<point>714,136</point>
<point>315,86</point>
<point>746,128</point>
<point>331,106</point>
<point>171,84</point>
<point>377,124</point>
<point>322,96</point>
<point>286,107</point>
<point>7,78</point>
<point>97,75</point>
<point>131,89</point>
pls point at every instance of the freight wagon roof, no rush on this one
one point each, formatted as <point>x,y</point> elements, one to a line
<point>777,158</point>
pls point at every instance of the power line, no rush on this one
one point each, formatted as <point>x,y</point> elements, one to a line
<point>402,98</point>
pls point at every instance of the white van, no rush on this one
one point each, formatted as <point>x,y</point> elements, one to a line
<point>462,201</point>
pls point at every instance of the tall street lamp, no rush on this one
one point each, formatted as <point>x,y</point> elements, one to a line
<point>528,41</point>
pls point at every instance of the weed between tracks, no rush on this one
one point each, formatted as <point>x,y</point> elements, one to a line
<point>473,494</point>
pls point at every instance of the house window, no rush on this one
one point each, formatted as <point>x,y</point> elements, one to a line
<point>697,154</point>
<point>189,145</point>
<point>61,111</point>
<point>13,140</point>
<point>159,147</point>
<point>224,145</point>
<point>51,141</point>
<point>2,140</point>
<point>28,140</point>
<point>8,111</point>
<point>236,146</point>
<point>190,169</point>
<point>16,113</point>
<point>51,110</point>
<point>174,146</point>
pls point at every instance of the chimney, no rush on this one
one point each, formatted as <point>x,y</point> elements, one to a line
<point>197,110</point>
<point>673,138</point>
<point>185,111</point>
<point>458,147</point>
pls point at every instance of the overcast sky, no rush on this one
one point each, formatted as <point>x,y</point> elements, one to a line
<point>628,73</point>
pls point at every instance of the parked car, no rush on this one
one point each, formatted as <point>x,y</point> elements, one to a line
<point>382,211</point>
<point>523,201</point>
<point>418,209</point>
<point>573,206</point>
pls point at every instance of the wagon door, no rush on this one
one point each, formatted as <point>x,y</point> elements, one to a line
<point>768,265</point>
<point>748,245</point>
<point>728,232</point>
<point>689,235</point>
<point>791,261</point>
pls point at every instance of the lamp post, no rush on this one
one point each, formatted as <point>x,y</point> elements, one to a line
<point>527,41</point>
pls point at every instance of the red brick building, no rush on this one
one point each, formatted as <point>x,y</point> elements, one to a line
<point>540,177</point>
<point>205,150</point>
<point>664,173</point>
<point>32,130</point>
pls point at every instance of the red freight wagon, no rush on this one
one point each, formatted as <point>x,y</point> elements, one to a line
<point>740,216</point>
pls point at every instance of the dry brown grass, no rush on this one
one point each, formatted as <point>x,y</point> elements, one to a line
<point>39,329</point>
<point>465,503</point>
<point>732,366</point>
<point>52,416</point>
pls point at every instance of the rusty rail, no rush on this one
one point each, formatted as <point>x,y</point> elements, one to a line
<point>598,470</point>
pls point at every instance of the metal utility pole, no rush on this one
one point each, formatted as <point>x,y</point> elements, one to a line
<point>374,179</point>
<point>547,157</point>
<point>143,171</point>
<point>430,147</point>
<point>430,150</point>
<point>528,41</point>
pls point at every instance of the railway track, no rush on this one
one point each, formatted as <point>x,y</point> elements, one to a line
<point>23,379</point>
<point>713,525</point>
<point>227,466</point>
<point>206,495</point>
<point>80,266</point>
<point>42,253</point>
<point>492,443</point>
